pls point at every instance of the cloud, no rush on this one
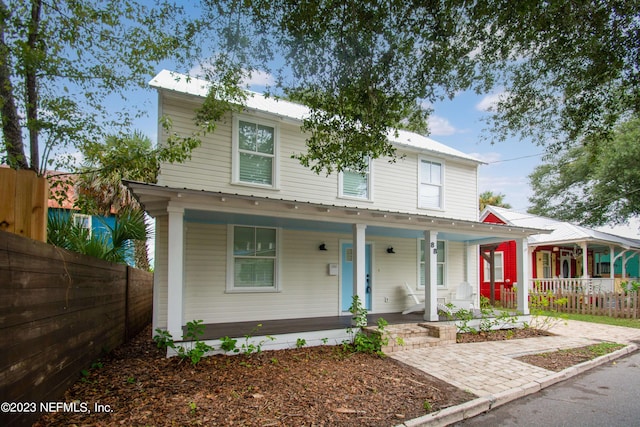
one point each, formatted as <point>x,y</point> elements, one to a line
<point>487,157</point>
<point>257,78</point>
<point>439,126</point>
<point>488,103</point>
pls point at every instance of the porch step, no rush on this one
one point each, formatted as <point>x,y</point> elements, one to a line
<point>412,336</point>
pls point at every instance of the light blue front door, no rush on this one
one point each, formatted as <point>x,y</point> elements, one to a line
<point>346,252</point>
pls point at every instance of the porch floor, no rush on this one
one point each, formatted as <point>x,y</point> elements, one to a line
<point>214,331</point>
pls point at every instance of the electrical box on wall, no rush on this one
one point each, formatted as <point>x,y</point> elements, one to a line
<point>333,269</point>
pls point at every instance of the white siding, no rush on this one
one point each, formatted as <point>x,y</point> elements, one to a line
<point>395,185</point>
<point>307,288</point>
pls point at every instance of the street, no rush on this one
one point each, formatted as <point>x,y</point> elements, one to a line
<point>604,396</point>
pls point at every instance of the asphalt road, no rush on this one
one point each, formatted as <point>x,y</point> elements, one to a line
<point>605,396</point>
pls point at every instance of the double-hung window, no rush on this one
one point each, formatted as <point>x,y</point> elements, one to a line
<point>498,259</point>
<point>354,184</point>
<point>440,264</point>
<point>254,259</point>
<point>255,152</point>
<point>430,178</point>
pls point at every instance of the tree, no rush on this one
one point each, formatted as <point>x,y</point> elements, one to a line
<point>567,70</point>
<point>61,62</point>
<point>593,183</point>
<point>489,199</point>
<point>99,180</point>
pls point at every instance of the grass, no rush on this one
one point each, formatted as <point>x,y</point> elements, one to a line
<point>629,323</point>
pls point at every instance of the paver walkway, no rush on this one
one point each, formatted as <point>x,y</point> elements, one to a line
<point>489,368</point>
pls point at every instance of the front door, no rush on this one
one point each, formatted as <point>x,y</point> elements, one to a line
<point>346,259</point>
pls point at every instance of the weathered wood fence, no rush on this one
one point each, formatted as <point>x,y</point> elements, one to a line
<point>612,304</point>
<point>59,312</point>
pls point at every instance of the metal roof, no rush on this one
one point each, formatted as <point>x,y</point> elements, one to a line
<point>563,232</point>
<point>181,83</point>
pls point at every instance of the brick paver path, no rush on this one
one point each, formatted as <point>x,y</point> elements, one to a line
<point>490,368</point>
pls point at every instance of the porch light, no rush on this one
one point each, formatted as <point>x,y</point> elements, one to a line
<point>322,247</point>
<point>390,250</point>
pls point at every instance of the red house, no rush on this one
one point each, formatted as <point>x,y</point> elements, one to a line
<point>569,257</point>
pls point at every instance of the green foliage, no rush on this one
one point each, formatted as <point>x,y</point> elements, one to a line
<point>630,286</point>
<point>365,342</point>
<point>485,302</point>
<point>112,244</point>
<point>489,199</point>
<point>193,350</point>
<point>426,405</point>
<point>301,342</point>
<point>63,62</point>
<point>249,347</point>
<point>163,339</point>
<point>563,69</point>
<point>358,312</point>
<point>594,182</point>
<point>229,344</point>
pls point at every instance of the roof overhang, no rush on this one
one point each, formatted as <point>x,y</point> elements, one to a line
<point>220,207</point>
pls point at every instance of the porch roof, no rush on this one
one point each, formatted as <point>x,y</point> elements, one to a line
<point>561,232</point>
<point>219,207</point>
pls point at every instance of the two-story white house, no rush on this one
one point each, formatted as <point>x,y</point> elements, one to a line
<point>246,235</point>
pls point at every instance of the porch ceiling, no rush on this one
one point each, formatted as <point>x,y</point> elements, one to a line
<point>224,208</point>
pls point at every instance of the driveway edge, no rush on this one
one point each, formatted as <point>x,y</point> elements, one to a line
<point>454,414</point>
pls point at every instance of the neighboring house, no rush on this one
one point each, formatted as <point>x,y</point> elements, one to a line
<point>570,257</point>
<point>62,201</point>
<point>244,233</point>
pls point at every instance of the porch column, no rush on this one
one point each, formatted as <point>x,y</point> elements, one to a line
<point>431,276</point>
<point>612,275</point>
<point>585,260</point>
<point>175,273</point>
<point>359,266</point>
<point>522,266</point>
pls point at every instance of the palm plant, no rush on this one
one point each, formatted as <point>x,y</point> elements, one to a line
<point>113,245</point>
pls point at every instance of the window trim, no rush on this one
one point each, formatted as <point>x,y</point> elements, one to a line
<point>230,283</point>
<point>487,273</point>
<point>369,197</point>
<point>235,151</point>
<point>444,264</point>
<point>78,218</point>
<point>442,164</point>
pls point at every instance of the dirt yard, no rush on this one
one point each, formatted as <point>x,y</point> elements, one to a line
<point>315,386</point>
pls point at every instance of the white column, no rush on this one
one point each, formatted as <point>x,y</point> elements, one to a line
<point>522,265</point>
<point>359,265</point>
<point>585,260</point>
<point>612,254</point>
<point>175,273</point>
<point>431,276</point>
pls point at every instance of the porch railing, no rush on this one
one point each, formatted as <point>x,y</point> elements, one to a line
<point>588,286</point>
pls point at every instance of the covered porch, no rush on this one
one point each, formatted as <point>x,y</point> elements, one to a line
<point>307,294</point>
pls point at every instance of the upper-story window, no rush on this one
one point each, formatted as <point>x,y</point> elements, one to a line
<point>355,184</point>
<point>430,182</point>
<point>255,152</point>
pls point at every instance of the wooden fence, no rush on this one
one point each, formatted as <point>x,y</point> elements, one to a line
<point>612,304</point>
<point>23,203</point>
<point>59,312</point>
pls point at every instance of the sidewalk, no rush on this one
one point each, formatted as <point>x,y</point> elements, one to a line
<point>490,371</point>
